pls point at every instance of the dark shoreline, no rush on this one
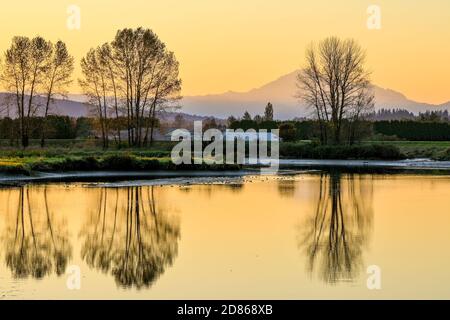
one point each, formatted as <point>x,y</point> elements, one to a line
<point>7,179</point>
<point>423,166</point>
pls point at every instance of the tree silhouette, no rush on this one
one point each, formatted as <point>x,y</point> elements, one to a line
<point>134,76</point>
<point>268,112</point>
<point>34,68</point>
<point>336,85</point>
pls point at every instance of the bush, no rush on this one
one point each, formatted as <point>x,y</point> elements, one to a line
<point>288,132</point>
<point>119,162</point>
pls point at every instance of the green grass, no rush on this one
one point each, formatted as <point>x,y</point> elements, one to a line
<point>64,157</point>
<point>119,162</point>
<point>437,150</point>
<point>67,156</point>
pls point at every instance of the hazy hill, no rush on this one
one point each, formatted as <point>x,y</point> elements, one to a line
<point>74,106</point>
<point>59,106</point>
<point>279,92</point>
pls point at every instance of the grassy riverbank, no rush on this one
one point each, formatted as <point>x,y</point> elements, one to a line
<point>436,150</point>
<point>119,162</point>
<point>369,150</point>
<point>82,156</point>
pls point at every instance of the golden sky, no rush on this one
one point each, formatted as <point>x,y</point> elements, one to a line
<point>241,44</point>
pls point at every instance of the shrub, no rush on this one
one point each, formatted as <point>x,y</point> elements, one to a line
<point>288,132</point>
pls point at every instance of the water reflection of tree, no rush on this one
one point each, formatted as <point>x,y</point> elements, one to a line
<point>334,237</point>
<point>36,242</point>
<point>130,237</point>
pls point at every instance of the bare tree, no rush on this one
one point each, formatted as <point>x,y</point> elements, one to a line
<point>334,83</point>
<point>94,85</point>
<point>166,90</point>
<point>150,76</point>
<point>114,85</point>
<point>135,76</point>
<point>363,107</point>
<point>26,63</point>
<point>57,78</point>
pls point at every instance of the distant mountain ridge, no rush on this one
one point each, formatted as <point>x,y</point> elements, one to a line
<point>279,92</point>
<point>59,106</point>
<point>75,106</point>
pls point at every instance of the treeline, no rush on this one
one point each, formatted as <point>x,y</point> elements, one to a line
<point>131,77</point>
<point>414,130</point>
<point>306,129</point>
<point>391,114</point>
<point>58,127</point>
<point>65,127</point>
<point>403,114</point>
<point>417,130</point>
<point>252,124</point>
<point>33,68</point>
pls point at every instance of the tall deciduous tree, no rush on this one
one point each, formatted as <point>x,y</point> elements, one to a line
<point>56,78</point>
<point>133,76</point>
<point>24,66</point>
<point>34,68</point>
<point>335,84</point>
<point>95,86</point>
<point>268,112</point>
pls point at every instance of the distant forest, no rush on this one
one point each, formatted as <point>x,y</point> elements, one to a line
<point>385,124</point>
<point>403,114</point>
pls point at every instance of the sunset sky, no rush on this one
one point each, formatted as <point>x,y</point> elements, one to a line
<point>238,45</point>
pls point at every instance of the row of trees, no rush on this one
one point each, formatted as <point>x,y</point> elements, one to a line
<point>35,68</point>
<point>58,127</point>
<point>133,77</point>
<point>307,129</point>
<point>403,114</point>
<point>414,130</point>
<point>268,116</point>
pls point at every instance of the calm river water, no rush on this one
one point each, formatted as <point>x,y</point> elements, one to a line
<point>305,236</point>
